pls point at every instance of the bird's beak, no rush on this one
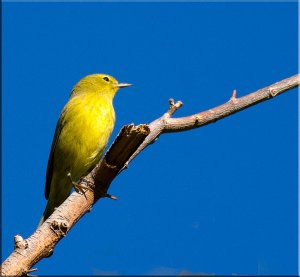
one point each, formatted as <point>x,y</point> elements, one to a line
<point>123,85</point>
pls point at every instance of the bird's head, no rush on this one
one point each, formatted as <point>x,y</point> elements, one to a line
<point>101,84</point>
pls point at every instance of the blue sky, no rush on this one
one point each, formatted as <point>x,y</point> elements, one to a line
<point>221,199</point>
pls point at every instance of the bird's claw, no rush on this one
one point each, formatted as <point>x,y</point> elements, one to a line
<point>79,188</point>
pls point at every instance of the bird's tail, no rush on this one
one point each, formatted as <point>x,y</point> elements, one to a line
<point>60,190</point>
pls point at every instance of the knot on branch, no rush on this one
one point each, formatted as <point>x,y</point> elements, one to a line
<point>59,227</point>
<point>273,92</point>
<point>49,253</point>
<point>20,243</point>
<point>197,120</point>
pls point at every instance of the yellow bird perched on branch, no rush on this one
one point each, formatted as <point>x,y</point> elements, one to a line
<point>82,133</point>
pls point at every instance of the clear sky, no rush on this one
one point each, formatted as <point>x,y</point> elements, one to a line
<point>221,199</point>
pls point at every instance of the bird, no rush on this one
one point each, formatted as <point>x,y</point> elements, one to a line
<point>81,135</point>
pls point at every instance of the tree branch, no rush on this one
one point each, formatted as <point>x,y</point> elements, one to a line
<point>166,124</point>
<point>129,143</point>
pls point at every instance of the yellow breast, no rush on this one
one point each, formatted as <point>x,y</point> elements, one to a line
<point>87,125</point>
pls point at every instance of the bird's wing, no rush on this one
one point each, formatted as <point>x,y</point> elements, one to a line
<point>49,174</point>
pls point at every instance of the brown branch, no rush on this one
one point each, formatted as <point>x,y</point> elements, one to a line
<point>42,242</point>
<point>166,124</point>
<point>128,144</point>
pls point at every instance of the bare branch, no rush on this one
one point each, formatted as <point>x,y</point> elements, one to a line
<point>42,242</point>
<point>129,143</point>
<point>231,107</point>
<point>166,124</point>
<point>173,107</point>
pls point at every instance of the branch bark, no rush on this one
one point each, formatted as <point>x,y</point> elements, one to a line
<point>129,143</point>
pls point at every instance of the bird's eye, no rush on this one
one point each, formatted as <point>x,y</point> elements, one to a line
<point>106,79</point>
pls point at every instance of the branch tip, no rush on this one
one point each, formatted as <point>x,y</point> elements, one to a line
<point>233,94</point>
<point>111,196</point>
<point>125,166</point>
<point>179,104</point>
<point>173,107</point>
<point>171,102</point>
<point>32,270</point>
<point>233,98</point>
<point>105,194</point>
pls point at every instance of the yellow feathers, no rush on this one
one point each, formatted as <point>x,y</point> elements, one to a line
<point>81,135</point>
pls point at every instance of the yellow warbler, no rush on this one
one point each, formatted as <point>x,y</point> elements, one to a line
<point>81,135</point>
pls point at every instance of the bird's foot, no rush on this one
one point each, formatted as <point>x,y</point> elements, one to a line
<point>79,188</point>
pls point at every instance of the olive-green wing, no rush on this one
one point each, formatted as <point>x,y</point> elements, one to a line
<point>49,174</point>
